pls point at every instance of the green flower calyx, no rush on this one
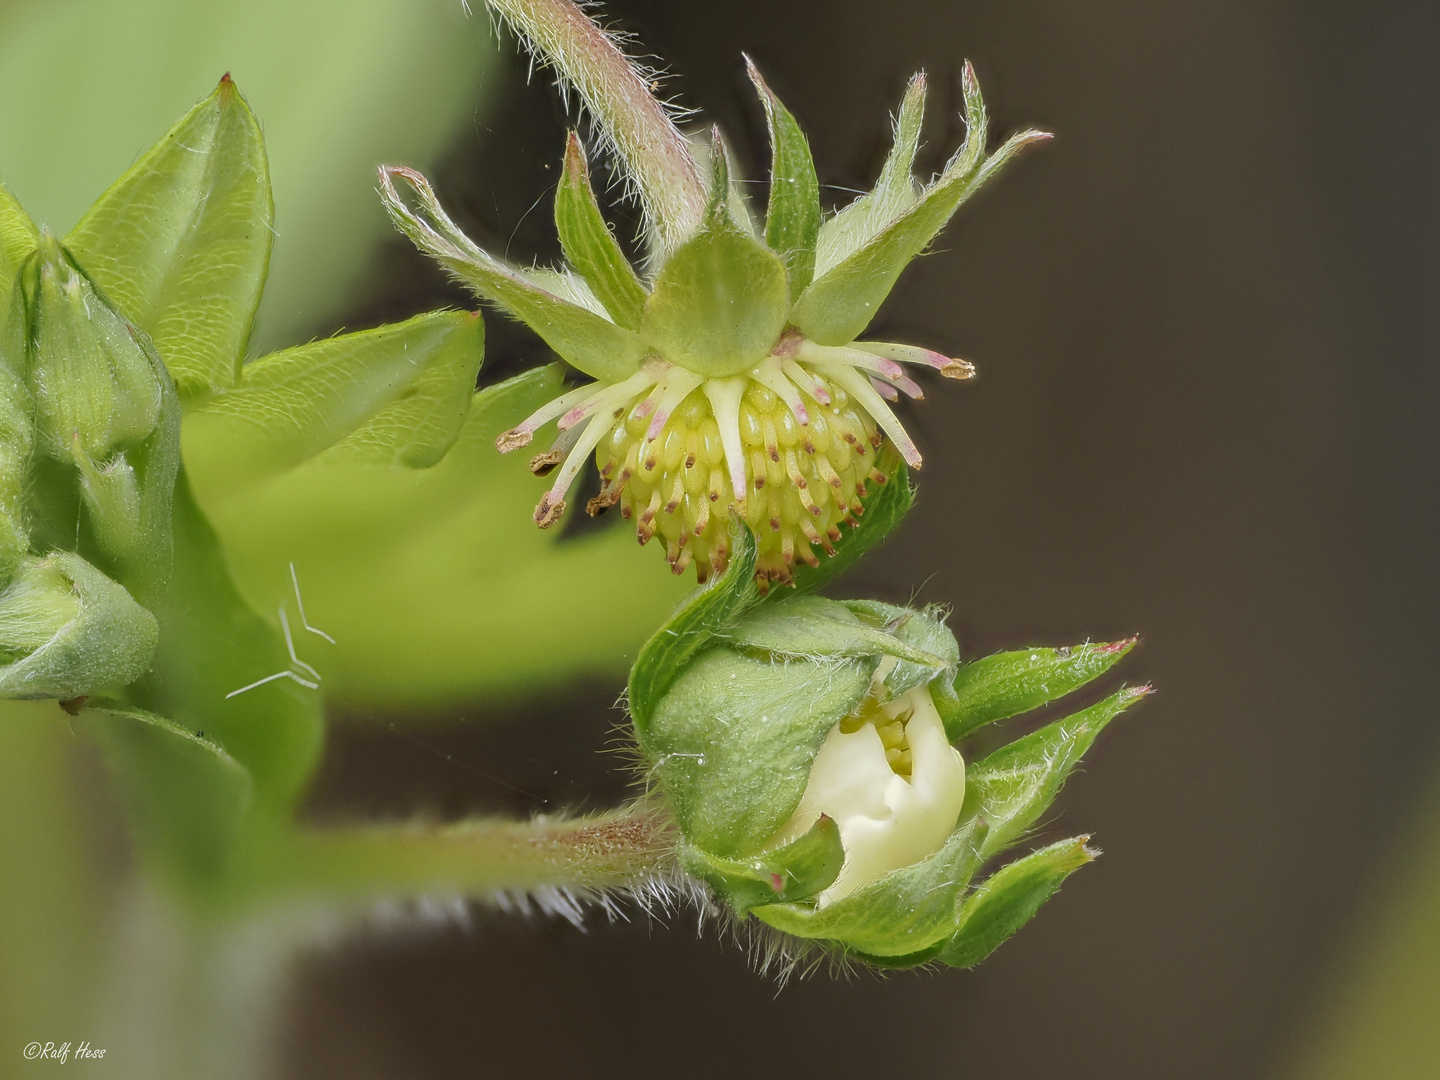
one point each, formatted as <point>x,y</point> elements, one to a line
<point>729,372</point>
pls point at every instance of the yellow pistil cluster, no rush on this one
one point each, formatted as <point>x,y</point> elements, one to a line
<point>801,480</point>
<point>890,728</point>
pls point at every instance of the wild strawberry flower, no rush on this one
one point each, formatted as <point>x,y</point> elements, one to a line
<point>728,371</point>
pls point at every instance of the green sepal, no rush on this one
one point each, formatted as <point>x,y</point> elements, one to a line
<point>843,300</point>
<point>1009,898</point>
<point>894,193</point>
<point>1007,684</point>
<point>108,420</point>
<point>1012,787</point>
<point>812,626</point>
<point>733,741</point>
<point>589,245</point>
<point>185,796</point>
<point>583,336</point>
<point>904,914</point>
<point>924,631</point>
<point>884,511</point>
<point>181,243</point>
<point>721,299</point>
<point>211,644</point>
<point>68,631</point>
<point>796,871</point>
<point>792,218</point>
<point>396,394</point>
<point>701,616</point>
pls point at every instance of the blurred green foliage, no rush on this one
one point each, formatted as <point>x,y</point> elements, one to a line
<point>90,84</point>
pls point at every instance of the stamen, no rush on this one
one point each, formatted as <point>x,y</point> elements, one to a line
<point>860,387</point>
<point>520,436</point>
<point>808,381</point>
<point>621,392</point>
<point>677,387</point>
<point>913,354</point>
<point>768,374</point>
<point>542,464</point>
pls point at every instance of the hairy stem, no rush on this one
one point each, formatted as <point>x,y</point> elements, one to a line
<point>617,92</point>
<point>615,849</point>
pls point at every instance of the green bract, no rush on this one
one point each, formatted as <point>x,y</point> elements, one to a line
<point>729,374</point>
<point>804,748</point>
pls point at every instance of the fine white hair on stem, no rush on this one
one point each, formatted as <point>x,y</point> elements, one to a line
<point>631,121</point>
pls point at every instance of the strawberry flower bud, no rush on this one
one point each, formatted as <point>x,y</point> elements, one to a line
<point>805,748</point>
<point>728,372</point>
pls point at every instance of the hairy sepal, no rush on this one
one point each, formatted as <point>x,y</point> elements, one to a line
<point>795,871</point>
<point>1010,898</point>
<point>792,218</point>
<point>720,300</point>
<point>904,914</point>
<point>1007,684</point>
<point>584,338</point>
<point>842,301</point>
<point>589,245</point>
<point>1013,786</point>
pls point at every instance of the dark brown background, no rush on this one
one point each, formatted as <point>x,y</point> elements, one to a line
<point>1205,322</point>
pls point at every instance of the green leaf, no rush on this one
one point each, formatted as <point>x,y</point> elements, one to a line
<point>734,739</point>
<point>1012,787</point>
<point>798,870</point>
<point>394,395</point>
<point>1010,898</point>
<point>435,582</point>
<point>844,299</point>
<point>792,220</point>
<point>181,242</point>
<point>589,245</point>
<point>583,337</point>
<point>18,237</point>
<point>813,626</point>
<point>67,630</point>
<point>312,74</point>
<point>904,913</point>
<point>707,612</point>
<point>1007,684</point>
<point>184,794</point>
<point>721,299</point>
<point>884,511</point>
<point>212,644</point>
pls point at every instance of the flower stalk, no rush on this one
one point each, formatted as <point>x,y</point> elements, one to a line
<point>620,95</point>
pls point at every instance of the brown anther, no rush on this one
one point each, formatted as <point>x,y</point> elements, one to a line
<point>543,464</point>
<point>513,439</point>
<point>689,461</point>
<point>879,477</point>
<point>876,439</point>
<point>957,369</point>
<point>808,446</point>
<point>547,513</point>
